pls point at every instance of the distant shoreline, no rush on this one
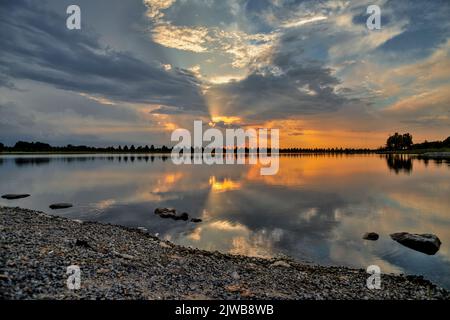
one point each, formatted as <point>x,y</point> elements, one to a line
<point>23,147</point>
<point>118,262</point>
<point>80,153</point>
<point>441,153</point>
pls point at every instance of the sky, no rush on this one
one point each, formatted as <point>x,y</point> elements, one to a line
<point>139,69</point>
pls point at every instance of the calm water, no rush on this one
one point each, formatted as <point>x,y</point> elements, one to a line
<point>316,208</point>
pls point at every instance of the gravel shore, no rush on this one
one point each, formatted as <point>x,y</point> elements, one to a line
<point>123,263</point>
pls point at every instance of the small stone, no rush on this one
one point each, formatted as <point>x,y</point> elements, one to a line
<point>142,229</point>
<point>163,245</point>
<point>103,270</point>
<point>82,243</point>
<point>235,275</point>
<point>4,277</point>
<point>236,288</point>
<point>251,266</point>
<point>56,206</point>
<point>124,255</point>
<point>371,236</point>
<point>280,263</point>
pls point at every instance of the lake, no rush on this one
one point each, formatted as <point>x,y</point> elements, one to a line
<point>315,209</point>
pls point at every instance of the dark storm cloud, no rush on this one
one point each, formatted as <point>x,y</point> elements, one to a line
<point>265,97</point>
<point>427,28</point>
<point>36,45</point>
<point>289,87</point>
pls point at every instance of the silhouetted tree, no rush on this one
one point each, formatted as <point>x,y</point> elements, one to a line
<point>407,141</point>
<point>2,147</point>
<point>31,146</point>
<point>125,149</point>
<point>132,148</point>
<point>399,141</point>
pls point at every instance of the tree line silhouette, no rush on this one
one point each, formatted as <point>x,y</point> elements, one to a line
<point>23,146</point>
<point>400,142</point>
<point>395,142</point>
<point>433,144</point>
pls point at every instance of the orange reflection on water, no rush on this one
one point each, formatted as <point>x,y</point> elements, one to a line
<point>224,185</point>
<point>234,238</point>
<point>225,225</point>
<point>307,169</point>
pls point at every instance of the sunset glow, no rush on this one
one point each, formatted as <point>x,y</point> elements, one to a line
<point>311,69</point>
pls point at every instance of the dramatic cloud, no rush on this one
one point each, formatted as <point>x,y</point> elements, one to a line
<point>156,7</point>
<point>241,47</point>
<point>182,38</point>
<point>139,69</point>
<point>299,91</point>
<point>43,50</point>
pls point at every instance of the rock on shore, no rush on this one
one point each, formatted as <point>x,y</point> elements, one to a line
<point>123,263</point>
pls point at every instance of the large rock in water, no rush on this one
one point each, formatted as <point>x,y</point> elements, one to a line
<point>371,236</point>
<point>171,213</point>
<point>60,206</point>
<point>166,212</point>
<point>426,243</point>
<point>184,216</point>
<point>14,196</point>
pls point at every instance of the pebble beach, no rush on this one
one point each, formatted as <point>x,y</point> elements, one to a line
<point>119,262</point>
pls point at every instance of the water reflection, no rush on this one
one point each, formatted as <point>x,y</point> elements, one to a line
<point>31,161</point>
<point>224,185</point>
<point>396,162</point>
<point>316,208</point>
<point>399,163</point>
